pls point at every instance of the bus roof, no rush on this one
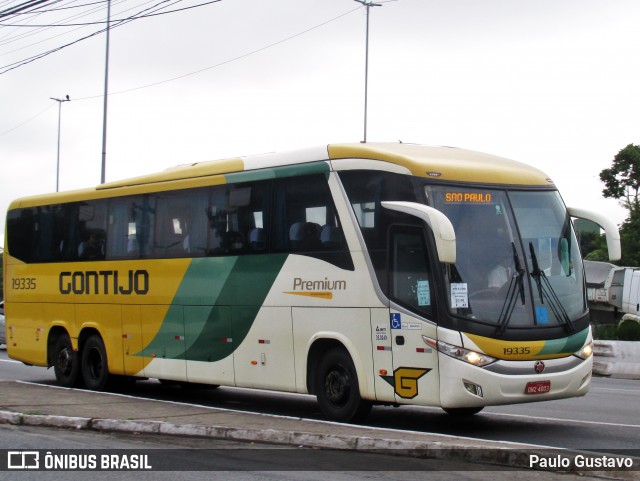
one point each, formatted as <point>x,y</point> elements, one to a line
<point>446,163</point>
<point>442,163</point>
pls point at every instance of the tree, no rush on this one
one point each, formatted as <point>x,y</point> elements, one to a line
<point>593,246</point>
<point>622,179</point>
<point>622,182</point>
<point>630,239</point>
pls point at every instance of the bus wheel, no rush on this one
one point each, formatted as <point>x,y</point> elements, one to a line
<point>462,412</point>
<point>66,363</point>
<point>95,370</point>
<point>337,388</point>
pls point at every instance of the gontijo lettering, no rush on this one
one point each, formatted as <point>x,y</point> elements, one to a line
<point>104,282</point>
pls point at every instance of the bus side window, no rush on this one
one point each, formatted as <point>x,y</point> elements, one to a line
<point>91,230</point>
<point>305,218</point>
<point>181,223</point>
<point>22,233</point>
<point>239,218</point>
<point>131,227</point>
<point>305,221</point>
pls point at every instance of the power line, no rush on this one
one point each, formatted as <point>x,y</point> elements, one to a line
<point>117,20</point>
<point>26,121</point>
<point>225,62</point>
<point>12,66</point>
<point>63,8</point>
<point>220,64</point>
<point>8,39</point>
<point>94,9</point>
<point>21,7</point>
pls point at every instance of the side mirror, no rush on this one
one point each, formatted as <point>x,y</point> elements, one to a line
<point>610,229</point>
<point>439,223</point>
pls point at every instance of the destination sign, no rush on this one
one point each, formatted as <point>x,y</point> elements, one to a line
<point>468,197</point>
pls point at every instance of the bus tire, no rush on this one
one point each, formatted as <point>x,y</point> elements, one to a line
<point>463,412</point>
<point>66,362</point>
<point>337,388</point>
<point>95,369</point>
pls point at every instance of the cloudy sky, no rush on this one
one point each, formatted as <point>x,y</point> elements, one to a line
<point>552,83</point>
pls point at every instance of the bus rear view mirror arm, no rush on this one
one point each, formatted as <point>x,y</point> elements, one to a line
<point>439,223</point>
<point>610,229</point>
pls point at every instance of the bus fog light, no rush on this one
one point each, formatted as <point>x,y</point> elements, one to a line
<point>474,389</point>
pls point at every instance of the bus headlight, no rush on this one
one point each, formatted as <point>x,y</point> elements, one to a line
<point>585,352</point>
<point>472,357</point>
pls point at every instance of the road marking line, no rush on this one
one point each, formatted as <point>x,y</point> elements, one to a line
<point>576,421</point>
<point>635,391</point>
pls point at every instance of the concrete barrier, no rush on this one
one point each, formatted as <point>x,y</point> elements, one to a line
<point>617,359</point>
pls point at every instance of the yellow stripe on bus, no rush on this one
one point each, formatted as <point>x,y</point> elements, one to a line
<point>319,295</point>
<point>510,350</point>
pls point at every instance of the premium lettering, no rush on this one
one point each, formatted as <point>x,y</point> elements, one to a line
<point>104,282</point>
<point>300,284</point>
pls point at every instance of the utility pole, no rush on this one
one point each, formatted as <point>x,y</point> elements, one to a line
<point>368,4</point>
<point>66,99</point>
<point>106,93</point>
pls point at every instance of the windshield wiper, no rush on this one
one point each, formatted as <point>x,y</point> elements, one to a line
<point>545,290</point>
<point>516,286</point>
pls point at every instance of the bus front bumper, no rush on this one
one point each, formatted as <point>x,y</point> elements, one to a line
<point>511,382</point>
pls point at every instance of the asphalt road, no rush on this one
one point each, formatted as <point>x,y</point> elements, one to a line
<point>607,419</point>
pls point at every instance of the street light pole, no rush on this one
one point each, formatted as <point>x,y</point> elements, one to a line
<point>368,4</point>
<point>106,93</point>
<point>66,99</point>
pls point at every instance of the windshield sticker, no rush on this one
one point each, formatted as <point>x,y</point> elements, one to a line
<point>542,315</point>
<point>424,294</point>
<point>459,295</point>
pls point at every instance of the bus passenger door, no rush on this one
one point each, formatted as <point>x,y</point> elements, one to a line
<point>415,364</point>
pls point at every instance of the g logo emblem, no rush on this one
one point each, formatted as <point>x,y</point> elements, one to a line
<point>405,380</point>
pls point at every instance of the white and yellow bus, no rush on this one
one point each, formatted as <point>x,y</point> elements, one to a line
<point>361,273</point>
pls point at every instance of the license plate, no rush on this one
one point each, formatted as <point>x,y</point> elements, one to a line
<point>538,387</point>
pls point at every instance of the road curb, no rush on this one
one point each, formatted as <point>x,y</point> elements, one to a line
<point>495,453</point>
<point>56,421</point>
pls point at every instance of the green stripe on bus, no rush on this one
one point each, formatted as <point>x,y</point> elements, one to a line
<point>278,172</point>
<point>215,306</point>
<point>567,345</point>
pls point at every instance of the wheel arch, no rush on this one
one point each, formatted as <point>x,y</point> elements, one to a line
<point>54,333</point>
<point>85,333</point>
<point>322,343</point>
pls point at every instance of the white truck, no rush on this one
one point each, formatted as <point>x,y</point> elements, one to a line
<point>612,291</point>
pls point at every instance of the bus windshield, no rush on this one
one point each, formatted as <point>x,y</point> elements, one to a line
<point>518,263</point>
